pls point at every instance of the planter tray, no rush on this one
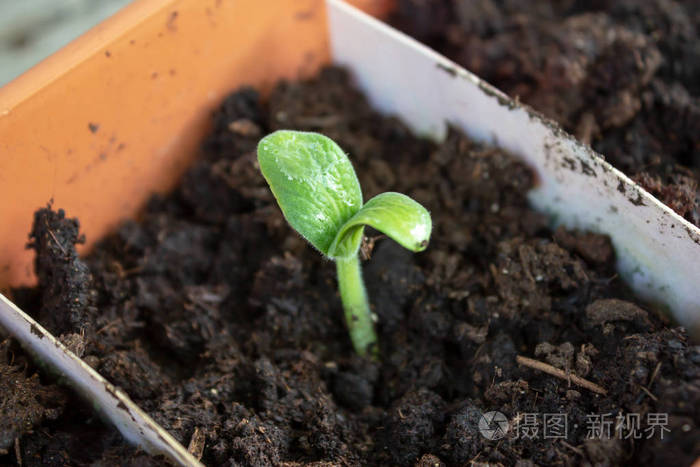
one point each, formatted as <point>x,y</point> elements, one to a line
<point>658,251</point>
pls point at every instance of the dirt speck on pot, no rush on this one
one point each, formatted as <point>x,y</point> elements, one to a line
<point>225,326</point>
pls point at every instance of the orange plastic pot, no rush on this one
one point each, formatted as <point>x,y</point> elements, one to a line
<point>118,113</point>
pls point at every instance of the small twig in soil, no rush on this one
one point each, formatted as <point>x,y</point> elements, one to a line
<point>122,273</point>
<point>647,390</point>
<point>526,265</point>
<point>476,354</point>
<point>648,393</point>
<point>654,374</point>
<point>550,370</point>
<point>573,448</point>
<point>107,326</point>
<point>57,242</point>
<point>605,281</point>
<point>18,452</point>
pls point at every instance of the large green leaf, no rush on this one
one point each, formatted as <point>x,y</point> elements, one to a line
<point>396,215</point>
<point>313,182</point>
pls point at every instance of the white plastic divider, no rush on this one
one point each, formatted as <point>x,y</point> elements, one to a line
<point>133,423</point>
<point>658,252</point>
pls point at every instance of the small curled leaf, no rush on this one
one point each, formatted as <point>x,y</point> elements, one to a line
<point>395,215</point>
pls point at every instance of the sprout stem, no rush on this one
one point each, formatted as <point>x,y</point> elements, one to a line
<point>357,312</point>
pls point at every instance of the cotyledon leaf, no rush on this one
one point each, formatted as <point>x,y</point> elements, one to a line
<point>397,216</point>
<point>313,181</point>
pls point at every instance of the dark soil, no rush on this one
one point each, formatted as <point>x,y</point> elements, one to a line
<point>44,424</point>
<point>623,76</point>
<point>217,318</point>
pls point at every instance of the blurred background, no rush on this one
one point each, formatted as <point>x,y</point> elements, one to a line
<point>31,30</point>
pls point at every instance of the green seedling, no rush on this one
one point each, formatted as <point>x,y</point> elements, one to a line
<point>317,189</point>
